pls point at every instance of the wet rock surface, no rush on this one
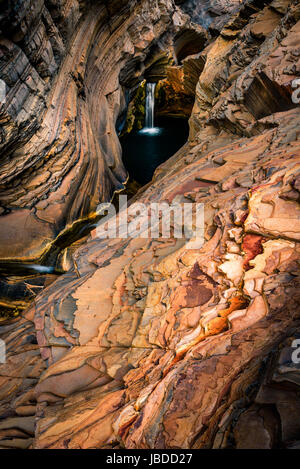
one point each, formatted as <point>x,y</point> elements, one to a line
<point>145,343</point>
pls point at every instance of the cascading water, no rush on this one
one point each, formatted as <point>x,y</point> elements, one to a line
<point>145,149</point>
<point>150,103</point>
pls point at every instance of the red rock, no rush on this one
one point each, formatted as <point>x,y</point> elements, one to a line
<point>252,246</point>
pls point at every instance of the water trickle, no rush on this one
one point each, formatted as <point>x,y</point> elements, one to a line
<point>150,104</point>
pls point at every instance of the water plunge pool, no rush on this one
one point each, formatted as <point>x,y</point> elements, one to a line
<point>145,150</point>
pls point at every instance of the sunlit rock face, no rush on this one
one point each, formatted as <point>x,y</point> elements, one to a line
<point>145,343</point>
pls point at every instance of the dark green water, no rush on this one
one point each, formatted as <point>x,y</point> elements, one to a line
<point>145,150</point>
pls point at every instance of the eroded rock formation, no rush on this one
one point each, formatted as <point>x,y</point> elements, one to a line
<point>145,343</point>
<point>60,151</point>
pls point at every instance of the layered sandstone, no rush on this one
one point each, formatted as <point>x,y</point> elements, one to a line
<point>145,343</point>
<point>61,155</point>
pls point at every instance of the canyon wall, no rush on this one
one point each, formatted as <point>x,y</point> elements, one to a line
<point>145,343</point>
<point>60,154</point>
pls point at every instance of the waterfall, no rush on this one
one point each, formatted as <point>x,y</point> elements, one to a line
<point>150,102</point>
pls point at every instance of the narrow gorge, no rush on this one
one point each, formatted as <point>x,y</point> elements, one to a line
<point>150,341</point>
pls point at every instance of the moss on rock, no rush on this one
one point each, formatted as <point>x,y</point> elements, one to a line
<point>136,111</point>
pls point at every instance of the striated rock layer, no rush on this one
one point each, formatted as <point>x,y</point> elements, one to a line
<point>145,343</point>
<point>59,148</point>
